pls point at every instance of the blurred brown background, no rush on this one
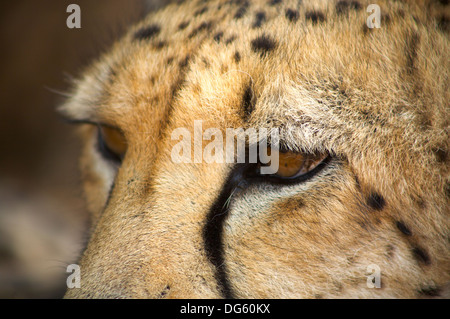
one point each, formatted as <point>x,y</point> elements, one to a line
<point>42,215</point>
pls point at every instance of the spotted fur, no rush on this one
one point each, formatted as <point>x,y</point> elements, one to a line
<point>376,100</point>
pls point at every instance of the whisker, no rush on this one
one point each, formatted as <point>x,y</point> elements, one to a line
<point>64,94</point>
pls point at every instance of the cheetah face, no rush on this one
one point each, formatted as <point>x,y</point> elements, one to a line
<point>358,205</point>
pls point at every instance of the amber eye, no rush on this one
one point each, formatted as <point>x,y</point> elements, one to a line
<point>293,164</point>
<point>111,143</point>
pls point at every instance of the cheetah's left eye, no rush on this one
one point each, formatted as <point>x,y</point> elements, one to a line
<point>111,143</point>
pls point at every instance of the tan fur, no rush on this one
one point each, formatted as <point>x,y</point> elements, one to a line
<point>376,99</point>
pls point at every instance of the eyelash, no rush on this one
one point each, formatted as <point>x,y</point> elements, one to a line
<point>252,173</point>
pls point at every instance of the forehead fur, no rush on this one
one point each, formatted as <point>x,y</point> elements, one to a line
<point>344,88</point>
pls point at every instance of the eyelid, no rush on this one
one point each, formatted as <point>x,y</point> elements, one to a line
<point>301,178</point>
<point>72,121</point>
<point>112,147</point>
<point>325,159</point>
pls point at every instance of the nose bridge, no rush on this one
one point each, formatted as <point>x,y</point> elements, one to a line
<point>179,206</point>
<point>149,245</point>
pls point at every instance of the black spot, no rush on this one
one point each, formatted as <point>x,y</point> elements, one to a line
<point>341,7</point>
<point>183,25</point>
<point>315,16</point>
<point>237,57</point>
<point>159,45</point>
<point>430,291</point>
<point>300,203</point>
<point>344,6</point>
<point>403,228</point>
<point>230,39</point>
<point>241,11</point>
<point>418,200</point>
<point>184,62</point>
<point>385,19</point>
<point>260,17</point>
<point>164,292</point>
<point>355,5</point>
<point>200,11</point>
<point>440,154</point>
<point>202,27</point>
<point>443,23</point>
<point>248,102</point>
<point>169,60</point>
<point>376,201</point>
<point>365,29</point>
<point>147,32</point>
<point>263,44</point>
<point>218,36</point>
<point>206,62</point>
<point>176,87</point>
<point>274,2</point>
<point>421,255</point>
<point>291,15</point>
<point>443,2</point>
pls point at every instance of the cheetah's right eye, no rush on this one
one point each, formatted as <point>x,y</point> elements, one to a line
<point>111,143</point>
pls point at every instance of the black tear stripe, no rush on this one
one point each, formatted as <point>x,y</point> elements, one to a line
<point>240,178</point>
<point>213,230</point>
<point>248,102</point>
